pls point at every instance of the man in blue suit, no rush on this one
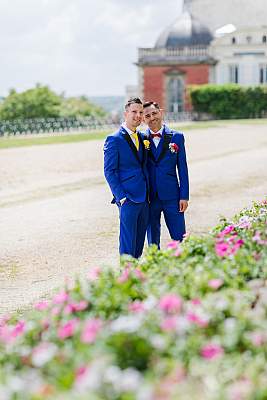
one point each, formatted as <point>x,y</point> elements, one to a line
<point>125,170</point>
<point>169,192</point>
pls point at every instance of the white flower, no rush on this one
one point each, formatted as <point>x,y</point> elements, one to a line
<point>158,341</point>
<point>112,375</point>
<point>183,325</point>
<point>150,303</point>
<point>43,353</point>
<point>126,324</point>
<point>131,379</point>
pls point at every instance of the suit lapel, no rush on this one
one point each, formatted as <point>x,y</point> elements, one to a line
<point>128,139</point>
<point>167,137</point>
<point>142,151</point>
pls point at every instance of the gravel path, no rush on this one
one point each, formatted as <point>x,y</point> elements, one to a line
<point>56,219</point>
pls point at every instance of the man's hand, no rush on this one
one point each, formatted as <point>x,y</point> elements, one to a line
<point>183,204</point>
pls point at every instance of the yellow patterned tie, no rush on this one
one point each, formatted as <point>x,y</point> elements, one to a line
<point>135,136</point>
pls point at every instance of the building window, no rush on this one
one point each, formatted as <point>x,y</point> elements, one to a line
<point>233,73</point>
<point>233,40</point>
<point>175,94</point>
<point>263,73</point>
<point>264,39</point>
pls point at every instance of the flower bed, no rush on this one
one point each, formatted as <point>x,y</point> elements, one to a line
<point>186,322</point>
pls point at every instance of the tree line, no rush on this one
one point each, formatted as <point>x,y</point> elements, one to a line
<point>42,102</point>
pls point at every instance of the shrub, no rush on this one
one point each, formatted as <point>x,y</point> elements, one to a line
<point>230,101</point>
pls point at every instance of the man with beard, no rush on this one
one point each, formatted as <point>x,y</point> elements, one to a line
<point>168,176</point>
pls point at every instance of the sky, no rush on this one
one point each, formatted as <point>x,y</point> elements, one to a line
<point>78,47</point>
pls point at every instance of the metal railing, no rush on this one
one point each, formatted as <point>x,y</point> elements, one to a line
<point>52,125</point>
<point>87,124</point>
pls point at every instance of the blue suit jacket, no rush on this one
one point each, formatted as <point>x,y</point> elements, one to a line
<point>125,168</point>
<point>163,166</point>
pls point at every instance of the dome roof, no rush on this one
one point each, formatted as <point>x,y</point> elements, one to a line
<point>185,31</point>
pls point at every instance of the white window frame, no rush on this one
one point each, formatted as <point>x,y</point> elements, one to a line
<point>233,73</point>
<point>263,74</point>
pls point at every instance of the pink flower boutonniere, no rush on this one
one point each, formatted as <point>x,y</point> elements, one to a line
<point>146,144</point>
<point>173,147</point>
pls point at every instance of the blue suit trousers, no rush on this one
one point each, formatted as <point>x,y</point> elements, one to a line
<point>133,225</point>
<point>173,217</point>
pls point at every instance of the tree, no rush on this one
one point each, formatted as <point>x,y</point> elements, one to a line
<point>80,107</point>
<point>39,102</point>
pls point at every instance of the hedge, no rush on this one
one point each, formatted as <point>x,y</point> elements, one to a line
<point>185,322</point>
<point>230,101</point>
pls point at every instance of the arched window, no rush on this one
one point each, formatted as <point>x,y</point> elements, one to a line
<point>175,94</point>
<point>264,39</point>
<point>233,40</point>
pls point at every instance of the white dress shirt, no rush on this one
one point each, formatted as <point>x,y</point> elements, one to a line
<point>156,140</point>
<point>129,131</point>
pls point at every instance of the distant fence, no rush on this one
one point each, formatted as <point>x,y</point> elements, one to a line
<point>57,125</point>
<point>88,124</point>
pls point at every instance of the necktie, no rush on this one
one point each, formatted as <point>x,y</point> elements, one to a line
<point>135,136</point>
<point>153,135</point>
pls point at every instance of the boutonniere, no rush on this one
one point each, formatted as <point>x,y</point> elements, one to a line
<point>173,147</point>
<point>146,144</point>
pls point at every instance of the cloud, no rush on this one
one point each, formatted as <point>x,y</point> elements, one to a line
<point>80,47</point>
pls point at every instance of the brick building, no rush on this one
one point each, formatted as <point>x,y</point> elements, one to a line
<point>180,58</point>
<point>188,52</point>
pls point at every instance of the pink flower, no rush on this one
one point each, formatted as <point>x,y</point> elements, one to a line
<point>60,297</point>
<point>41,306</point>
<point>215,283</point>
<point>257,238</point>
<point>94,273</point>
<point>18,329</point>
<point>139,274</point>
<point>136,307</point>
<point>80,372</point>
<point>211,351</point>
<point>196,302</point>
<point>169,324</point>
<point>237,246</point>
<point>124,276</point>
<point>90,330</point>
<point>258,339</point>
<point>221,249</point>
<point>82,375</point>
<point>68,329</point>
<point>174,244</point>
<point>5,334</point>
<point>245,223</point>
<point>196,319</point>
<point>55,311</point>
<point>75,307</point>
<point>228,229</point>
<point>170,303</point>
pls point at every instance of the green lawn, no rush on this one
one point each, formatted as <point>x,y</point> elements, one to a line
<point>14,141</point>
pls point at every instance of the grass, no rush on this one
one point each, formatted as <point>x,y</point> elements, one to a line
<point>23,141</point>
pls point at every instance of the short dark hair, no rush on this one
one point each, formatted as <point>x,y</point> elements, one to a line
<point>151,103</point>
<point>133,100</point>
